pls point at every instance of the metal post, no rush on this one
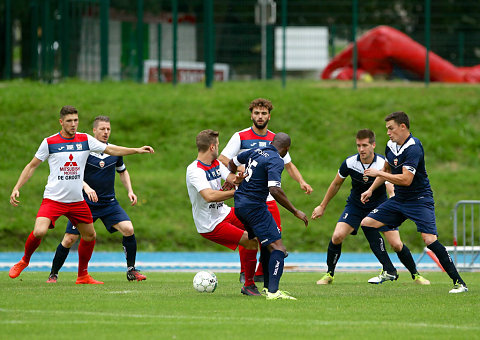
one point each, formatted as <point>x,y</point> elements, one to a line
<point>140,40</point>
<point>104,37</point>
<point>263,27</point>
<point>8,40</point>
<point>64,43</point>
<point>34,33</point>
<point>159,52</point>
<point>354,38</point>
<point>174,40</point>
<point>284,43</point>
<point>427,42</point>
<point>331,40</point>
<point>44,11</point>
<point>209,52</point>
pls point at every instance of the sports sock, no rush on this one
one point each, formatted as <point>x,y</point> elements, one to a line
<point>265,258</point>
<point>446,261</point>
<point>405,256</point>
<point>250,259</point>
<point>130,249</point>
<point>275,269</point>
<point>31,245</point>
<point>377,245</point>
<point>60,256</point>
<point>333,254</point>
<point>241,252</point>
<point>85,250</point>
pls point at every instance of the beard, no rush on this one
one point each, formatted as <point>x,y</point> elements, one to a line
<point>260,126</point>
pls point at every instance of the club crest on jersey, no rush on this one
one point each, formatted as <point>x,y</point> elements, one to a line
<point>395,161</point>
<point>79,146</point>
<point>102,164</point>
<point>365,178</point>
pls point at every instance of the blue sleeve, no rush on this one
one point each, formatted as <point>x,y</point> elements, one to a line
<point>119,161</point>
<point>275,169</point>
<point>243,157</point>
<point>413,156</point>
<point>343,171</point>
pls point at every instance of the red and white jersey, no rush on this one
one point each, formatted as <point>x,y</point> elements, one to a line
<point>67,158</point>
<point>200,176</point>
<point>247,139</point>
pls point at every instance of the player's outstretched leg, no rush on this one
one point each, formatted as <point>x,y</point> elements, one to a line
<point>333,254</point>
<point>250,259</point>
<point>130,249</point>
<point>377,245</point>
<point>275,270</point>
<point>31,245</point>
<point>405,256</point>
<point>446,261</point>
<point>61,255</point>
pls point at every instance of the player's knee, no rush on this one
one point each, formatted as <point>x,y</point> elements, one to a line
<point>396,245</point>
<point>337,238</point>
<point>251,244</point>
<point>39,233</point>
<point>69,240</point>
<point>89,235</point>
<point>128,231</point>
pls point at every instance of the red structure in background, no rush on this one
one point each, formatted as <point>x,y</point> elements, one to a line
<point>384,47</point>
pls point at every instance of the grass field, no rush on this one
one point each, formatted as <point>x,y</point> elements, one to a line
<point>167,307</point>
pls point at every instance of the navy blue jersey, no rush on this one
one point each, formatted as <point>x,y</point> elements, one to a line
<point>353,167</point>
<point>411,156</point>
<point>100,176</point>
<point>263,167</point>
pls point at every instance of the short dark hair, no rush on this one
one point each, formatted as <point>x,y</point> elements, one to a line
<point>67,110</point>
<point>98,119</point>
<point>399,117</point>
<point>261,102</point>
<point>206,138</point>
<point>366,133</point>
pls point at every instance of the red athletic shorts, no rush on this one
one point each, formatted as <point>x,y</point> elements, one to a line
<point>77,212</point>
<point>273,208</point>
<point>228,232</point>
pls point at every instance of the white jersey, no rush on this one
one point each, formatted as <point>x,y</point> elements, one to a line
<point>247,139</point>
<point>67,158</point>
<point>201,176</point>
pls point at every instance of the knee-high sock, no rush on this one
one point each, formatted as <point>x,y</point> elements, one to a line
<point>333,254</point>
<point>241,252</point>
<point>377,244</point>
<point>31,245</point>
<point>405,256</point>
<point>275,269</point>
<point>60,256</point>
<point>85,250</point>
<point>265,258</point>
<point>130,249</point>
<point>446,261</point>
<point>250,264</point>
<point>259,271</point>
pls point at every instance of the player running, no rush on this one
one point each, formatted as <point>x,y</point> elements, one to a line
<point>215,220</point>
<point>253,137</point>
<point>405,168</point>
<point>67,153</point>
<point>99,193</point>
<point>263,176</point>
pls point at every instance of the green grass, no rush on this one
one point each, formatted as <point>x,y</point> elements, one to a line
<point>321,117</point>
<point>167,307</point>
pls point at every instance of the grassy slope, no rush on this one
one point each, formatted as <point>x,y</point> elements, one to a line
<point>322,121</point>
<point>167,307</point>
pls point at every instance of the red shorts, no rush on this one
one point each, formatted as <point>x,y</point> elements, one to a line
<point>228,232</point>
<point>273,208</point>
<point>77,212</point>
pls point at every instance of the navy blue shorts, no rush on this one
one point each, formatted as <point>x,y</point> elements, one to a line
<point>421,211</point>
<point>353,215</point>
<point>259,222</point>
<point>110,215</point>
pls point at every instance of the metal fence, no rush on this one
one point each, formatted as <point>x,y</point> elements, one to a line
<point>207,40</point>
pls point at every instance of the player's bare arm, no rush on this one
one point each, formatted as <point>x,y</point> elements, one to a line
<point>211,195</point>
<point>92,194</point>
<point>403,179</point>
<point>125,178</point>
<point>365,196</point>
<point>282,198</point>
<point>297,176</point>
<point>115,150</point>
<point>24,177</point>
<point>331,192</point>
<point>224,160</point>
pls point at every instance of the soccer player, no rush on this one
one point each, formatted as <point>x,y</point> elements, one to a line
<point>355,211</point>
<point>99,193</point>
<point>253,137</point>
<point>405,168</point>
<point>213,219</point>
<point>67,153</point>
<point>263,173</point>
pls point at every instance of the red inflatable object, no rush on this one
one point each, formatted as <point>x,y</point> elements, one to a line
<point>383,47</point>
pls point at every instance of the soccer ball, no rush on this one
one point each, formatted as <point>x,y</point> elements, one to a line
<point>205,282</point>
